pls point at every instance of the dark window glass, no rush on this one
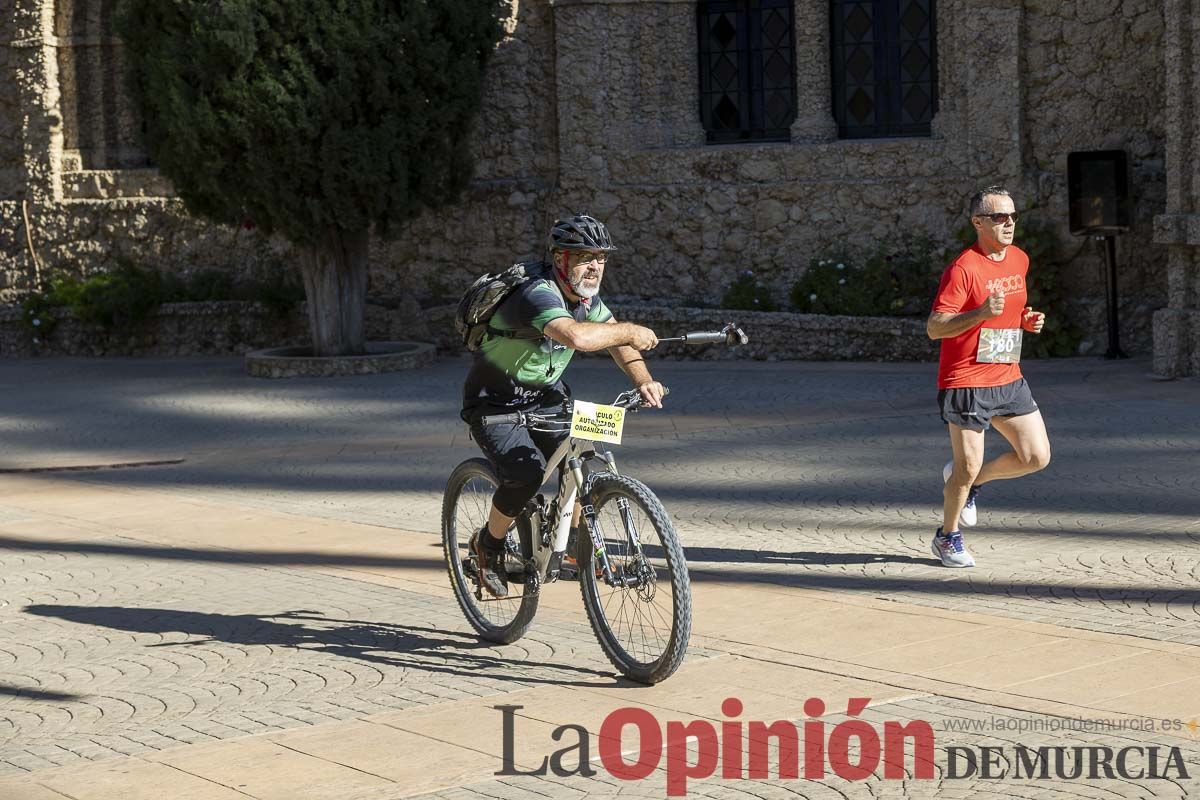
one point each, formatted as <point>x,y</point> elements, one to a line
<point>747,69</point>
<point>884,60</point>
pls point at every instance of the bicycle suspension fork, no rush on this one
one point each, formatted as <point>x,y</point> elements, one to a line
<point>599,551</point>
<point>623,507</point>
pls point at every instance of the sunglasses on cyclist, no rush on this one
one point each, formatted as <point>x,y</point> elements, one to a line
<point>999,217</point>
<point>587,258</point>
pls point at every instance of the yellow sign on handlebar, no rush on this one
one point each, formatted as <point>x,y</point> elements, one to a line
<point>598,423</point>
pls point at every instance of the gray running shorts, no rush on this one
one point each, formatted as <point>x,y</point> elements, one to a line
<point>974,408</point>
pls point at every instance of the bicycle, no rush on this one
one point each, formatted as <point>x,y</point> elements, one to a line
<point>631,567</point>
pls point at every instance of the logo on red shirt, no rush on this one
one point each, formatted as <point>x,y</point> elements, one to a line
<point>1013,283</point>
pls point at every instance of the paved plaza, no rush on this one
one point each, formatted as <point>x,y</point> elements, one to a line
<point>213,586</point>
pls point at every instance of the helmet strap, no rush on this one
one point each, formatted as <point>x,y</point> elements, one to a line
<point>564,275</point>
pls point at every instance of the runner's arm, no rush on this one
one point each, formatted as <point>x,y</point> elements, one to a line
<point>943,325</point>
<point>946,324</point>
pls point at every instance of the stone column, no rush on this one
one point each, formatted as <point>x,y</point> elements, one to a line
<point>994,91</point>
<point>814,100</point>
<point>1177,327</point>
<point>34,47</point>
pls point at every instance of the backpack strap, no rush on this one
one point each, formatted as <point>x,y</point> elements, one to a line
<point>518,334</point>
<point>513,334</point>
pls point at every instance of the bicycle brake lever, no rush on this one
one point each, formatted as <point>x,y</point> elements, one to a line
<point>734,334</point>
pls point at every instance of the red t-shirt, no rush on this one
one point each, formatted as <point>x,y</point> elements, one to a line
<point>966,285</point>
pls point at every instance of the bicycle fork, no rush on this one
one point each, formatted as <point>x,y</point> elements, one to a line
<point>599,551</point>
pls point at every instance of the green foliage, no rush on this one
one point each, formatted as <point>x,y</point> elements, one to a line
<point>305,115</point>
<point>129,293</point>
<point>899,280</point>
<point>748,293</point>
<point>204,285</point>
<point>1059,337</point>
<point>38,318</point>
<point>279,291</point>
<point>118,298</point>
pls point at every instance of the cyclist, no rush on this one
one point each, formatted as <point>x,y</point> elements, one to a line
<point>531,338</point>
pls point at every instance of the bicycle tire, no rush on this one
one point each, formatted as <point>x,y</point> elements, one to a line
<point>665,555</point>
<point>497,620</point>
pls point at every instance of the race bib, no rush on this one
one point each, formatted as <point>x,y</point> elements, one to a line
<point>999,346</point>
<point>596,422</point>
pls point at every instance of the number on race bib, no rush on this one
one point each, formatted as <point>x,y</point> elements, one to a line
<point>999,346</point>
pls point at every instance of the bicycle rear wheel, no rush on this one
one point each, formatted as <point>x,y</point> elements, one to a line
<point>644,627</point>
<point>465,508</point>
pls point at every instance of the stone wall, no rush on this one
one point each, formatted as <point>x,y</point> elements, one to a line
<point>174,329</point>
<point>592,105</point>
<point>1094,80</point>
<point>101,129</point>
<point>693,214</point>
<point>11,158</point>
<point>179,329</point>
<point>774,336</point>
<point>1177,327</point>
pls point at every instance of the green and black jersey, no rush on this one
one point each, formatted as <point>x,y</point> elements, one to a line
<point>510,372</point>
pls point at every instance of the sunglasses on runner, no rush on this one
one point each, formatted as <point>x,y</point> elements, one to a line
<point>1000,217</point>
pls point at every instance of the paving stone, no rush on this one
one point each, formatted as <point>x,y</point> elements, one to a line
<point>810,476</point>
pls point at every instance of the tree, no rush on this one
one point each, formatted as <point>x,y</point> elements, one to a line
<point>323,120</point>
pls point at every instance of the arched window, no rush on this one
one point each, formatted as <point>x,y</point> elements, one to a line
<point>884,65</point>
<point>747,69</point>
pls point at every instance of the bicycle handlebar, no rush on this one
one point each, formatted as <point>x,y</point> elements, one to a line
<point>731,334</point>
<point>628,400</point>
<point>502,419</point>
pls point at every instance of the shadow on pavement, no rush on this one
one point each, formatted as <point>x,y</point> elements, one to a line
<point>701,555</point>
<point>213,556</point>
<point>703,564</point>
<point>387,644</point>
<point>948,583</point>
<point>7,690</point>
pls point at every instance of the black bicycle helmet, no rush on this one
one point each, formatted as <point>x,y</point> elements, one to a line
<point>580,232</point>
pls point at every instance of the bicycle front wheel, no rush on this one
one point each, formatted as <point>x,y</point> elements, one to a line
<point>644,626</point>
<point>465,508</point>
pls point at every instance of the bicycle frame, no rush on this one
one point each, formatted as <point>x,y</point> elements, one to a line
<point>550,526</point>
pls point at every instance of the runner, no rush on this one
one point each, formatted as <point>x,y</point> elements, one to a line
<point>980,315</point>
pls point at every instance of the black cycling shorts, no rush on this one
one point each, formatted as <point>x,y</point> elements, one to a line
<point>974,408</point>
<point>518,455</point>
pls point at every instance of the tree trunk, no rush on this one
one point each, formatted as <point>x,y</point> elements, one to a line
<point>335,284</point>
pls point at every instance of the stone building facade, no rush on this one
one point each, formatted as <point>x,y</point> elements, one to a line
<point>594,105</point>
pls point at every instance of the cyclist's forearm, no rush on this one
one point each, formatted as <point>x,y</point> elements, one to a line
<point>592,336</point>
<point>631,363</point>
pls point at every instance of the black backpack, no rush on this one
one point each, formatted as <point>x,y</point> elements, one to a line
<point>486,294</point>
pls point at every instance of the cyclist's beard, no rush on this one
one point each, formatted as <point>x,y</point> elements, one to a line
<point>585,291</point>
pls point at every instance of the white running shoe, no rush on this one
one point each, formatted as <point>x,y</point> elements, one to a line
<point>969,514</point>
<point>951,550</point>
